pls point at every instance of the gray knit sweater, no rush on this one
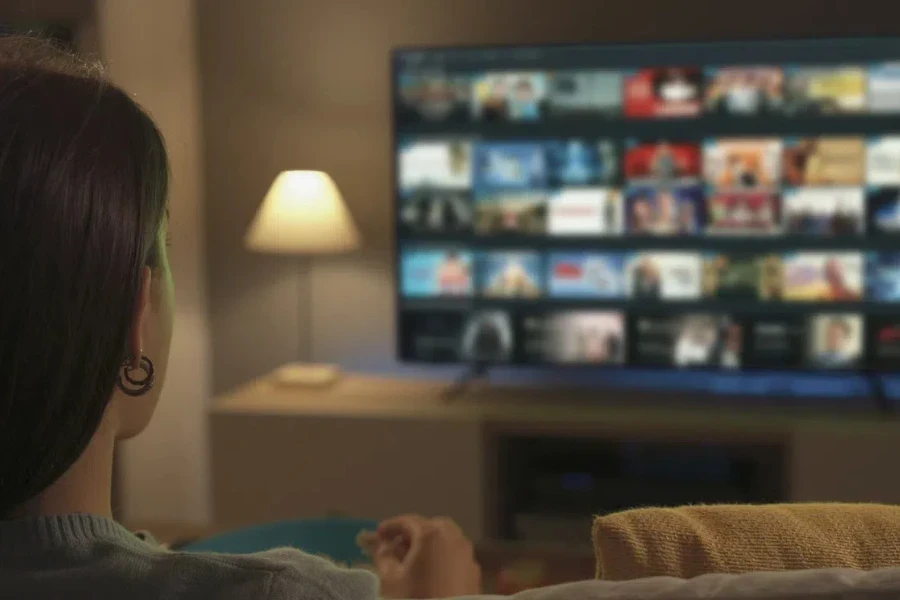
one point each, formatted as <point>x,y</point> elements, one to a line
<point>81,557</point>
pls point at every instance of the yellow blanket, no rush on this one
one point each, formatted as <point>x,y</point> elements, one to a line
<point>696,540</point>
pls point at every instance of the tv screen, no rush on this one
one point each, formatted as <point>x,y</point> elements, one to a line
<point>725,206</point>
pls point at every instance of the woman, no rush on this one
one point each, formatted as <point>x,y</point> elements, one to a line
<point>85,324</point>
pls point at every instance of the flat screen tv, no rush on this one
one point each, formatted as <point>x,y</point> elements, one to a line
<point>728,206</point>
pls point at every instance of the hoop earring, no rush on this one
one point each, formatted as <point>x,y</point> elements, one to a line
<point>131,385</point>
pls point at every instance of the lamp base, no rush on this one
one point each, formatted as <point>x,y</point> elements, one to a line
<point>307,375</point>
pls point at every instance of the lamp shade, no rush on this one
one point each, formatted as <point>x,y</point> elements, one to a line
<point>303,213</point>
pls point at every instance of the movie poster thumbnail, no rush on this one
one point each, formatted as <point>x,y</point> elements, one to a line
<point>824,211</point>
<point>435,211</point>
<point>835,341</point>
<point>511,213</point>
<point>883,342</point>
<point>884,210</point>
<point>744,91</point>
<point>504,274</point>
<point>884,88</point>
<point>581,162</point>
<point>883,161</point>
<point>507,166</point>
<point>687,341</point>
<point>883,276</point>
<point>509,97</point>
<point>585,212</point>
<point>488,337</point>
<point>435,273</point>
<point>743,214</point>
<point>824,161</point>
<point>432,97</point>
<point>743,164</point>
<point>664,92</point>
<point>664,276</point>
<point>653,211</point>
<point>581,275</point>
<point>584,94</point>
<point>662,163</point>
<point>818,91</point>
<point>434,165</point>
<point>823,276</point>
<point>585,337</point>
<point>742,276</point>
<point>431,336</point>
<point>775,341</point>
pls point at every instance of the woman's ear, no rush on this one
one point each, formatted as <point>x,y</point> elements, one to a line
<point>136,337</point>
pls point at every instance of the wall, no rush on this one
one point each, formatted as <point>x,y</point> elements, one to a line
<point>149,46</point>
<point>29,12</point>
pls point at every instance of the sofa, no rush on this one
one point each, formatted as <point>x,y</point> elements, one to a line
<point>774,552</point>
<point>824,584</point>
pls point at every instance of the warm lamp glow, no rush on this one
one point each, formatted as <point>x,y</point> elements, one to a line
<point>303,213</point>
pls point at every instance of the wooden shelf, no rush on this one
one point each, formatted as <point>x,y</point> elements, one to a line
<point>378,446</point>
<point>571,409</point>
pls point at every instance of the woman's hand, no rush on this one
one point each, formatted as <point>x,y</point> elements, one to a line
<point>417,557</point>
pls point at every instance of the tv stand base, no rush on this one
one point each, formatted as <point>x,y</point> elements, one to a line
<point>473,374</point>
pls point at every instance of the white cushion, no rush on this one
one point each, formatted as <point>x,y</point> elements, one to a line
<point>829,584</point>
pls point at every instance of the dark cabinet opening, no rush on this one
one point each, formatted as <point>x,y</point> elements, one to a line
<point>549,488</point>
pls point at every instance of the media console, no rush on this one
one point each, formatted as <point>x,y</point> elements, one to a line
<point>377,446</point>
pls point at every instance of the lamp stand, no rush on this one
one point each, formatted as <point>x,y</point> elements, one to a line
<point>306,374</point>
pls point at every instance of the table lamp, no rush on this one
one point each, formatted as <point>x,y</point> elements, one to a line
<point>303,214</point>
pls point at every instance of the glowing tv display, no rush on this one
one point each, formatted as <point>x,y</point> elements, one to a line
<point>717,205</point>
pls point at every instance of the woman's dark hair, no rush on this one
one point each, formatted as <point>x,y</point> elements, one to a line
<point>83,184</point>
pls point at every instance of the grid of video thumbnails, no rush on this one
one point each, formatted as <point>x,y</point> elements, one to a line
<point>434,96</point>
<point>750,251</point>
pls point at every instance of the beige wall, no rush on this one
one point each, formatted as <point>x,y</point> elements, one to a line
<point>29,12</point>
<point>149,46</point>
